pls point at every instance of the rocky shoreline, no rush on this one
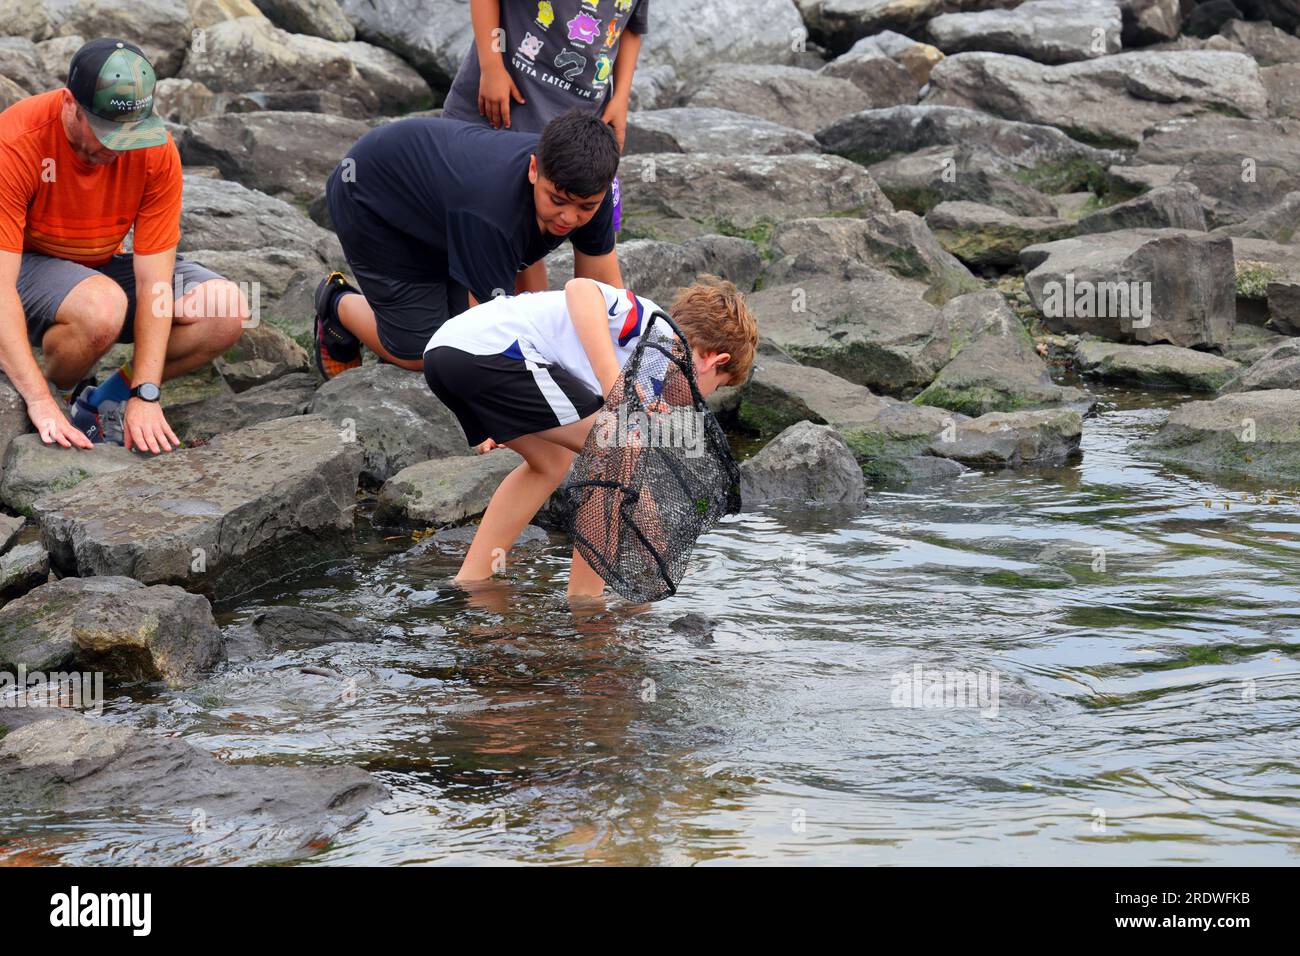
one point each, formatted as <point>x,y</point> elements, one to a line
<point>935,209</point>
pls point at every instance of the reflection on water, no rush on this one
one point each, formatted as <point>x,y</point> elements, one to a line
<point>1143,626</point>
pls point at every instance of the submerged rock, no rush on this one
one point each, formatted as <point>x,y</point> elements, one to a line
<point>1154,366</point>
<point>805,462</point>
<point>57,761</point>
<point>272,629</point>
<point>444,491</point>
<point>1014,439</point>
<point>114,624</point>
<point>1254,433</point>
<point>697,628</point>
<point>254,502</point>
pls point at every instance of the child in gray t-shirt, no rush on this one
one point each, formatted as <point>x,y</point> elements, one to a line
<point>547,58</point>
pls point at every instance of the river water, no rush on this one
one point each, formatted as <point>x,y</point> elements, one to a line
<point>1142,626</point>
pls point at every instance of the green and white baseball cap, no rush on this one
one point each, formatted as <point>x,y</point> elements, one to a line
<point>113,83</point>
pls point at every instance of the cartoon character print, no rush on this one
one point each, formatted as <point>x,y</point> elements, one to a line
<point>604,66</point>
<point>545,14</point>
<point>611,34</point>
<point>622,6</point>
<point>531,46</point>
<point>584,28</point>
<point>570,64</point>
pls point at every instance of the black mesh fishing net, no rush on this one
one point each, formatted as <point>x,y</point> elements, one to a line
<point>656,471</point>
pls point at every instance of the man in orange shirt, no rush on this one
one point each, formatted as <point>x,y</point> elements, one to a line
<point>79,168</point>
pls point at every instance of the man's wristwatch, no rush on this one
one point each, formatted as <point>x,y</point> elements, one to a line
<point>147,392</point>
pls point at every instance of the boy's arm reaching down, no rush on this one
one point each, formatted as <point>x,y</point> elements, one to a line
<point>586,306</point>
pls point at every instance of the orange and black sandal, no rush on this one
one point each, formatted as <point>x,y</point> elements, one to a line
<point>336,349</point>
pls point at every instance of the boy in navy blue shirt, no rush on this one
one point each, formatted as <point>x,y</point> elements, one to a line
<point>432,213</point>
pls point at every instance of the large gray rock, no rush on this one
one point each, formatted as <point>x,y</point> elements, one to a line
<point>1277,223</point>
<point>806,462</point>
<point>676,196</point>
<point>1044,156</point>
<point>987,236</point>
<point>1154,366</point>
<point>836,24</point>
<point>1283,84</point>
<point>13,414</point>
<point>234,813</point>
<point>262,354</point>
<point>658,269</point>
<point>691,36</point>
<point>214,518</point>
<point>1279,367</point>
<point>1125,182</point>
<point>885,80</point>
<point>318,18</point>
<point>21,64</point>
<point>396,420</point>
<point>1176,206</point>
<point>1110,100</point>
<point>114,624</point>
<point>203,419</point>
<point>11,527</point>
<point>874,330</point>
<point>249,237</point>
<point>161,28</point>
<point>788,95</point>
<point>32,468</point>
<point>1255,433</point>
<point>1241,166</point>
<point>860,246</point>
<point>432,35</point>
<point>284,154</point>
<point>1150,21</point>
<point>885,435</point>
<point>445,490</point>
<point>1263,41</point>
<point>998,369</point>
<point>922,180</point>
<point>249,54</point>
<point>1049,31</point>
<point>1284,306</point>
<point>1136,285</point>
<point>22,568</point>
<point>711,130</point>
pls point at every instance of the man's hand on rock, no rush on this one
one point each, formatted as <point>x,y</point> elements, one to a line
<point>144,427</point>
<point>53,425</point>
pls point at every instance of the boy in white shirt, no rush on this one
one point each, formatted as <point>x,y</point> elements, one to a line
<point>530,372</point>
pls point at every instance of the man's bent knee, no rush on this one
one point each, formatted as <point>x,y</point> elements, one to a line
<point>96,309</point>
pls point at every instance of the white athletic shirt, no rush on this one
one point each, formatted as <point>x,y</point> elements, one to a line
<point>535,327</point>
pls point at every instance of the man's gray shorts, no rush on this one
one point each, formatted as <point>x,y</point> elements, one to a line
<point>44,282</point>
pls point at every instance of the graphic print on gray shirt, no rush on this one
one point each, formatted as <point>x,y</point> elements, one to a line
<point>560,53</point>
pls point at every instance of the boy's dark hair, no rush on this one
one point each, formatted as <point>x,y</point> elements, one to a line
<point>579,153</point>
